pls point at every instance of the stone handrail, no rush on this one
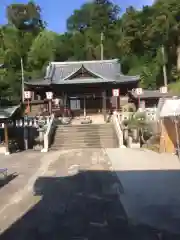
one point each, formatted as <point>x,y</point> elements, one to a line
<point>48,134</point>
<point>117,124</point>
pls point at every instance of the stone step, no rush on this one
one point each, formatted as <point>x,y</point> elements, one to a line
<point>56,148</point>
<point>78,146</point>
<point>113,141</point>
<point>62,140</point>
<point>85,127</point>
<point>85,131</point>
<point>85,141</point>
<point>84,135</point>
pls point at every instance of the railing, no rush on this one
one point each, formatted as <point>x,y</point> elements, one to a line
<point>48,134</point>
<point>117,124</point>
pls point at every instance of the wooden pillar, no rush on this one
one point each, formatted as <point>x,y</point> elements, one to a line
<point>118,103</point>
<point>50,106</point>
<point>104,103</point>
<point>6,137</point>
<point>64,99</point>
<point>84,106</point>
<point>32,96</point>
<point>39,97</point>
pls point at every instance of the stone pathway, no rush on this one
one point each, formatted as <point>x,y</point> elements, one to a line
<point>67,195</point>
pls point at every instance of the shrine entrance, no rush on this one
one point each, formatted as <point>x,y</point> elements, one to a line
<point>85,104</point>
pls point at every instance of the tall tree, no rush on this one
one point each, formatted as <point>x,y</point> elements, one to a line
<point>25,16</point>
<point>98,14</point>
<point>43,49</point>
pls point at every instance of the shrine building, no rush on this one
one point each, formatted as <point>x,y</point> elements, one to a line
<point>97,85</point>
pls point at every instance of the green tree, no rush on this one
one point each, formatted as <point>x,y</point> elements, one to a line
<point>25,16</point>
<point>43,49</point>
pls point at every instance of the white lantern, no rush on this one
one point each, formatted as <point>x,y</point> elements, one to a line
<point>49,95</point>
<point>27,94</point>
<point>115,92</point>
<point>163,89</point>
<point>138,91</point>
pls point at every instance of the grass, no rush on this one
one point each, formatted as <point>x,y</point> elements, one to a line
<point>174,87</point>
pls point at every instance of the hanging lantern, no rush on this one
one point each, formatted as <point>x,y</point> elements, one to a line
<point>163,89</point>
<point>139,91</point>
<point>27,94</point>
<point>49,95</point>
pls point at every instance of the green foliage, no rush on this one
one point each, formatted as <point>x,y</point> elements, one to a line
<point>137,120</point>
<point>25,16</point>
<point>43,49</point>
<point>135,37</point>
<point>175,87</point>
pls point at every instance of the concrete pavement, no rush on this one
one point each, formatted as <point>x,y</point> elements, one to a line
<point>151,186</point>
<point>66,194</point>
<point>72,194</point>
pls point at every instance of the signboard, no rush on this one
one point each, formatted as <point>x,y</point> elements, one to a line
<point>138,91</point>
<point>75,104</point>
<point>163,89</point>
<point>115,92</point>
<point>49,95</point>
<point>27,94</point>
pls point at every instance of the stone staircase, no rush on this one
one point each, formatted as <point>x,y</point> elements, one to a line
<point>85,136</point>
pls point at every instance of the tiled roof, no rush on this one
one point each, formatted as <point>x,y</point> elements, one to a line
<point>8,111</point>
<point>106,69</point>
<point>124,78</point>
<point>39,82</point>
<point>150,94</point>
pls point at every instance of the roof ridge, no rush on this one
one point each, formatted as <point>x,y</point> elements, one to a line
<point>81,62</point>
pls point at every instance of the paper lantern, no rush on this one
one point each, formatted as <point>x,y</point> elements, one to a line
<point>138,91</point>
<point>163,89</point>
<point>115,92</point>
<point>49,95</point>
<point>27,94</point>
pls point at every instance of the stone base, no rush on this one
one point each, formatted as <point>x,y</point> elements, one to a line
<point>44,150</point>
<point>86,121</point>
<point>38,147</point>
<point>65,120</point>
<point>7,153</point>
<point>4,151</point>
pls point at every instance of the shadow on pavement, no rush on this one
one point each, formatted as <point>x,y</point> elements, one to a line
<point>83,206</point>
<point>6,180</point>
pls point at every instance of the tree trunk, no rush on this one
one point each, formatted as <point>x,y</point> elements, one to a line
<point>178,58</point>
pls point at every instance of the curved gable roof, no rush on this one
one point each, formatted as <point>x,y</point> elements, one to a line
<point>106,69</point>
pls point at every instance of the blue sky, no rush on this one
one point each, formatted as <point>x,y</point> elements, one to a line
<point>55,12</point>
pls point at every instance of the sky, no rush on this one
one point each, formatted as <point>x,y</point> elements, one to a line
<point>56,12</point>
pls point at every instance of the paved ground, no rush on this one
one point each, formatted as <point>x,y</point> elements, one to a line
<point>65,195</point>
<point>151,186</point>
